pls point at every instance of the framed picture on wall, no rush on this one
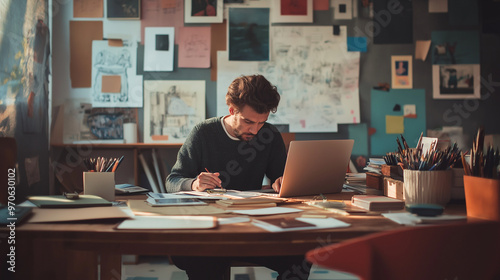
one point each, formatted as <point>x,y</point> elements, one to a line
<point>402,71</point>
<point>292,11</point>
<point>172,109</point>
<point>203,11</point>
<point>456,81</point>
<point>124,9</point>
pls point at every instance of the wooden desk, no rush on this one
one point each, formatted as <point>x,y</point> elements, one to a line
<point>58,250</point>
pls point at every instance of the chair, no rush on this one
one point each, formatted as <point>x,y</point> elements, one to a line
<point>452,251</point>
<point>8,160</point>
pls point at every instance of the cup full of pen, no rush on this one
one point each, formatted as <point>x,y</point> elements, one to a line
<point>99,179</point>
<point>427,174</point>
<point>482,180</point>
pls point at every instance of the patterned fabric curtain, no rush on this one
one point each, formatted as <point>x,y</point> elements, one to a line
<point>24,95</point>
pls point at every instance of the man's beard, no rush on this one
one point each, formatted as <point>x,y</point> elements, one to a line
<point>244,136</point>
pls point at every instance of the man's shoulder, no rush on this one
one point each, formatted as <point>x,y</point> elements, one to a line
<point>209,122</point>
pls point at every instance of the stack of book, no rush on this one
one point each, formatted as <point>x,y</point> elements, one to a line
<point>374,177</point>
<point>374,165</point>
<point>377,202</point>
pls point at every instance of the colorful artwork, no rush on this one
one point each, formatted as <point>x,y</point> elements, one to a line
<point>249,34</point>
<point>172,109</point>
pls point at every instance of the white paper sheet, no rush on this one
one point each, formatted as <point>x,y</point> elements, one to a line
<point>169,222</point>
<point>267,211</point>
<point>158,60</point>
<point>319,223</point>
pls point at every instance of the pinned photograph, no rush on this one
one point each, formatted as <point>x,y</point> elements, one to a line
<point>402,73</point>
<point>456,81</point>
<point>203,11</point>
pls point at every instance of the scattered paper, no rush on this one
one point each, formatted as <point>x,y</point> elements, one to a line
<point>267,211</point>
<point>319,223</point>
<point>409,219</point>
<point>169,222</point>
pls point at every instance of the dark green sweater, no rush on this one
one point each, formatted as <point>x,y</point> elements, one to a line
<point>242,165</point>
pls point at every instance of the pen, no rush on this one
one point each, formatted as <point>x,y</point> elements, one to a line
<point>213,190</point>
<point>117,163</point>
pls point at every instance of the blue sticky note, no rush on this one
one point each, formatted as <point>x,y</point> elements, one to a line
<point>356,44</point>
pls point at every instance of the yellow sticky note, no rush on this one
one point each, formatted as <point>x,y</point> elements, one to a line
<point>394,124</point>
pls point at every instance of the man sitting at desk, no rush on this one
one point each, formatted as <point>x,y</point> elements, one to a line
<point>235,151</point>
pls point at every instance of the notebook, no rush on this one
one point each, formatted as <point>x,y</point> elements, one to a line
<point>315,167</point>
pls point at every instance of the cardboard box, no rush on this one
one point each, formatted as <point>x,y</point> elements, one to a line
<point>393,188</point>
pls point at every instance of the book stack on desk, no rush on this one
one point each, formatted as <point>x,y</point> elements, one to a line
<point>377,202</point>
<point>374,176</point>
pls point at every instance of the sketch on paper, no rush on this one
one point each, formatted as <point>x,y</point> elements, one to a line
<point>194,47</point>
<point>118,63</point>
<point>314,73</point>
<point>172,109</point>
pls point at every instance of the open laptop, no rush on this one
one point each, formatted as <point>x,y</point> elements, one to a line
<point>315,167</point>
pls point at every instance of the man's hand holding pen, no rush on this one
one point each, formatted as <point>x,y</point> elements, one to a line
<point>206,180</point>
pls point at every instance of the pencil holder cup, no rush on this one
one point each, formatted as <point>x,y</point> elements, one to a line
<point>433,187</point>
<point>99,183</point>
<point>482,197</point>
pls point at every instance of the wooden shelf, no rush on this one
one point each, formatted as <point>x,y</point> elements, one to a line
<point>121,146</point>
<point>136,148</point>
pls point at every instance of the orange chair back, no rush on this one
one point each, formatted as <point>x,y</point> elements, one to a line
<point>452,251</point>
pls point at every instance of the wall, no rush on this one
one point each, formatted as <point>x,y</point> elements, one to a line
<point>374,68</point>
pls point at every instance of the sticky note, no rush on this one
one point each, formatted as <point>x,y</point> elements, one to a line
<point>111,84</point>
<point>394,124</point>
<point>356,44</point>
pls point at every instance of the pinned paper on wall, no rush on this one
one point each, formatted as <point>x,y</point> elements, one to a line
<point>402,71</point>
<point>421,49</point>
<point>88,9</point>
<point>122,87</point>
<point>321,5</point>
<point>394,124</point>
<point>356,44</point>
<point>81,35</point>
<point>342,9</point>
<point>438,6</point>
<point>159,49</point>
<point>410,111</point>
<point>382,103</point>
<point>292,11</point>
<point>194,47</point>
